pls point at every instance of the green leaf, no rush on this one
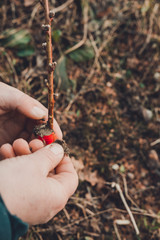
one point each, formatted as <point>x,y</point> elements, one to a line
<point>26,52</point>
<point>78,113</point>
<point>122,169</point>
<point>56,34</point>
<point>14,38</point>
<point>142,85</point>
<point>88,238</point>
<point>82,54</point>
<point>145,222</point>
<point>128,73</point>
<point>61,77</point>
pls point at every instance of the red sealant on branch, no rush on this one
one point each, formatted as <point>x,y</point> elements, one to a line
<point>45,134</point>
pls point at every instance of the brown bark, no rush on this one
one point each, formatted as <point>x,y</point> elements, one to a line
<point>50,64</point>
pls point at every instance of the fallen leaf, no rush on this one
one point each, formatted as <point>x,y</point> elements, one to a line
<point>78,164</point>
<point>132,62</point>
<point>28,3</point>
<point>91,177</point>
<point>153,160</point>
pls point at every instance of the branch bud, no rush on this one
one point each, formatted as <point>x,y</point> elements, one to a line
<point>44,45</point>
<point>51,14</point>
<point>46,82</point>
<point>45,27</point>
<point>52,66</point>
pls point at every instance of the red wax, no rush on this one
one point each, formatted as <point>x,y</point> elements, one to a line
<point>49,139</point>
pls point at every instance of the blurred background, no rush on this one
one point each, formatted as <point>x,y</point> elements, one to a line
<point>107,87</point>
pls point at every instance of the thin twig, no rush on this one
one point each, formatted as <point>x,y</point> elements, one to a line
<point>95,50</point>
<point>9,60</point>
<point>78,221</point>
<point>149,35</point>
<point>116,230</point>
<point>66,213</point>
<point>35,9</point>
<point>126,191</point>
<point>98,53</point>
<point>83,89</point>
<point>155,142</point>
<point>63,6</point>
<point>117,186</point>
<point>85,31</point>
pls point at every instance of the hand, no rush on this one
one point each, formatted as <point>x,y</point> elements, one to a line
<point>35,187</point>
<point>18,114</point>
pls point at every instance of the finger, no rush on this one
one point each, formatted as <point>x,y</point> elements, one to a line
<point>33,109</point>
<point>67,176</point>
<point>13,99</point>
<point>48,157</point>
<point>6,151</point>
<point>21,147</point>
<point>35,145</point>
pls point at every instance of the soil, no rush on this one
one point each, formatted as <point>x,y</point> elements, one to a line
<point>107,105</point>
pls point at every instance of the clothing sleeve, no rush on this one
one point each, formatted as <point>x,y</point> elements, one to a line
<point>11,227</point>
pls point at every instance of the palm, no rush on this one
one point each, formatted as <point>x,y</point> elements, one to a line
<point>14,125</point>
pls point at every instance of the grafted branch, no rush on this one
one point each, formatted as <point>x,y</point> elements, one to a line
<point>50,64</point>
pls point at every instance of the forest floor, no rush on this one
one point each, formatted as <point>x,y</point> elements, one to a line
<point>107,104</point>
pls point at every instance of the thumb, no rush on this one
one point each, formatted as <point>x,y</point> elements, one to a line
<point>49,157</point>
<point>12,99</point>
<point>33,109</point>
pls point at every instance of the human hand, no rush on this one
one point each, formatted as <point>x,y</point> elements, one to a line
<point>35,187</point>
<point>18,113</point>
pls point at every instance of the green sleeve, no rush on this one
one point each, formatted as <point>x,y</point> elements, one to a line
<point>11,227</point>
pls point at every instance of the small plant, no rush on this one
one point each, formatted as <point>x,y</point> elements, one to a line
<point>45,132</point>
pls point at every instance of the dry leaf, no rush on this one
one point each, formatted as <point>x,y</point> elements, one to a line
<point>153,160</point>
<point>132,62</point>
<point>91,177</point>
<point>28,3</point>
<point>94,225</point>
<point>78,164</point>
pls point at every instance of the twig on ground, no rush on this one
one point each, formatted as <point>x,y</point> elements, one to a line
<point>4,16</point>
<point>95,50</point>
<point>10,63</point>
<point>116,230</point>
<point>119,222</point>
<point>92,234</point>
<point>117,186</point>
<point>149,35</point>
<point>35,9</point>
<point>98,52</point>
<point>82,90</point>
<point>85,31</point>
<point>66,213</point>
<point>59,237</point>
<point>155,142</point>
<point>63,6</point>
<point>126,191</point>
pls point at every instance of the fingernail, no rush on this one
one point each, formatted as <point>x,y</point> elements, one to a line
<point>56,148</point>
<point>38,112</point>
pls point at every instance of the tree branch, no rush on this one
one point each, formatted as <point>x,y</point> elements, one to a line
<point>50,64</point>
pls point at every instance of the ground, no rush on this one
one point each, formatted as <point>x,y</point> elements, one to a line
<point>107,104</point>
